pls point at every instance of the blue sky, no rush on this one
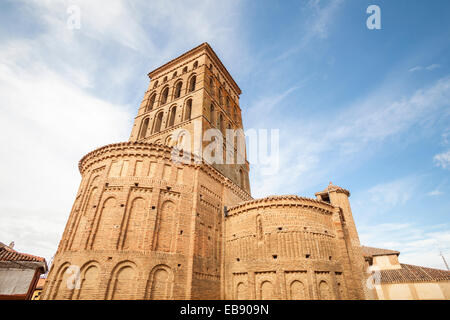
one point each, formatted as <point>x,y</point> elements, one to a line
<point>365,109</point>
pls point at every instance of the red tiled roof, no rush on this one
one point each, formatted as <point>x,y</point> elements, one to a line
<point>410,273</point>
<point>371,251</point>
<point>8,254</point>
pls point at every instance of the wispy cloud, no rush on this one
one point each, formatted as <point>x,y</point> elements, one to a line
<point>428,68</point>
<point>317,25</point>
<point>322,143</point>
<point>435,192</point>
<point>442,159</point>
<point>384,198</point>
<point>418,245</point>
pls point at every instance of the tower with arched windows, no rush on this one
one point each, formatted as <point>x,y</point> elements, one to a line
<point>195,93</point>
<point>146,225</point>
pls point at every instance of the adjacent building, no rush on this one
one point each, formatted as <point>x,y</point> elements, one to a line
<point>19,273</point>
<point>398,281</point>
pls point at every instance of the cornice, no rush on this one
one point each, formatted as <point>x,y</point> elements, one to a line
<point>210,51</point>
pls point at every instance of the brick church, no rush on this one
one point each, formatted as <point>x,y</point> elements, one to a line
<point>144,226</point>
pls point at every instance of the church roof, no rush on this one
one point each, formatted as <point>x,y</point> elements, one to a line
<point>411,273</point>
<point>371,251</point>
<point>332,187</point>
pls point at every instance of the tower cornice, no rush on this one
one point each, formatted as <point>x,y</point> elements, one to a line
<point>204,46</point>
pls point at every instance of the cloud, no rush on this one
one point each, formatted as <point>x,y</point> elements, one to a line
<point>435,193</point>
<point>382,199</point>
<point>442,159</point>
<point>418,245</point>
<point>429,68</point>
<point>392,194</point>
<point>310,151</point>
<point>316,26</point>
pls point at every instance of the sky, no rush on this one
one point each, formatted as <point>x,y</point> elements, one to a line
<point>366,109</point>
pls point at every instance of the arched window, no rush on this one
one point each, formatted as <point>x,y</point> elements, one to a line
<point>144,128</point>
<point>221,123</point>
<point>174,74</point>
<point>242,178</point>
<point>169,141</point>
<point>178,89</point>
<point>151,102</point>
<point>188,110</point>
<point>192,83</point>
<point>228,103</point>
<point>211,114</point>
<point>195,64</point>
<point>220,96</point>
<point>158,123</point>
<point>173,111</point>
<point>185,70</point>
<point>165,79</point>
<point>164,95</point>
<point>155,85</point>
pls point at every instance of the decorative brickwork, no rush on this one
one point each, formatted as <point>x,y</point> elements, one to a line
<point>145,227</point>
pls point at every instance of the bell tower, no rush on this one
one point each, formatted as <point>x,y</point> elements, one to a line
<point>186,98</point>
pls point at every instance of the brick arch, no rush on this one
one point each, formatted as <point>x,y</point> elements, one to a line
<point>90,279</point>
<point>266,290</point>
<point>164,96</point>
<point>107,232</point>
<point>171,116</point>
<point>59,290</point>
<point>135,223</point>
<point>165,225</point>
<point>151,102</point>
<point>259,228</point>
<point>122,284</point>
<point>79,240</point>
<point>160,283</point>
<point>324,291</point>
<point>168,141</point>
<point>86,209</point>
<point>157,122</point>
<point>241,291</point>
<point>297,290</point>
<point>187,112</point>
<point>177,89</point>
<point>192,83</point>
<point>144,128</point>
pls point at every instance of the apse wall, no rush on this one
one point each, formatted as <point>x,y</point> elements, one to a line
<point>143,227</point>
<point>283,247</point>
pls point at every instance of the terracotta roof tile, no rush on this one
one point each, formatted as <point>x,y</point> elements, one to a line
<point>8,254</point>
<point>371,251</point>
<point>410,273</point>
